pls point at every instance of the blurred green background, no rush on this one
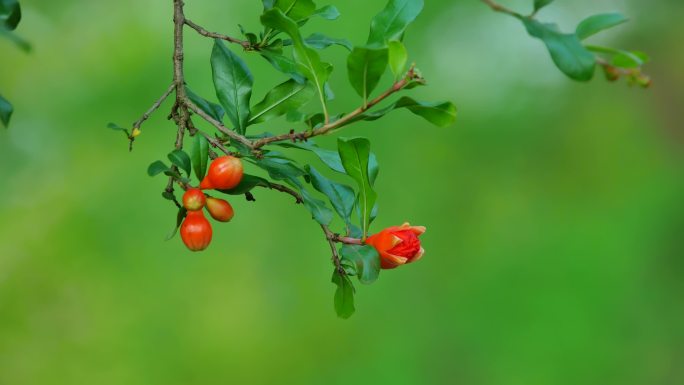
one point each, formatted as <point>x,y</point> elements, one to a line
<point>554,209</point>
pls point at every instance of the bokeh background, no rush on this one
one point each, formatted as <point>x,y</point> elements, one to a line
<point>554,209</point>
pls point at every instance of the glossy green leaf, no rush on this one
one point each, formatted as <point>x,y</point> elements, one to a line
<point>355,154</point>
<point>5,111</point>
<point>309,63</point>
<point>320,41</point>
<point>283,98</point>
<point>398,56</point>
<point>247,183</point>
<point>344,295</point>
<point>630,59</point>
<point>181,160</point>
<point>597,23</point>
<point>182,213</point>
<point>539,4</point>
<point>366,260</point>
<point>233,83</point>
<point>280,169</point>
<point>441,114</point>
<point>296,9</point>
<point>212,109</point>
<point>328,12</point>
<point>365,67</point>
<point>392,21</point>
<point>10,14</point>
<point>342,197</point>
<point>566,50</point>
<point>156,168</point>
<point>200,156</point>
<point>284,64</point>
<point>319,211</point>
<point>332,158</point>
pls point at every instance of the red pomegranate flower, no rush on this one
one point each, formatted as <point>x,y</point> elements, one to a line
<point>398,245</point>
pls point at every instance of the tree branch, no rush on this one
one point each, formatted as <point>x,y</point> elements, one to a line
<point>219,126</point>
<point>138,123</point>
<point>327,128</point>
<point>500,8</point>
<point>245,44</point>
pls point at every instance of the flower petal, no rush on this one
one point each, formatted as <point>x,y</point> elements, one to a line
<point>418,255</point>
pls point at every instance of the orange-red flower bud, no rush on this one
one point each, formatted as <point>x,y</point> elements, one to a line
<point>219,209</point>
<point>194,199</point>
<point>196,231</point>
<point>398,245</point>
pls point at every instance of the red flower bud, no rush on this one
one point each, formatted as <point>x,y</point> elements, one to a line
<point>194,199</point>
<point>219,209</point>
<point>398,245</point>
<point>224,173</point>
<point>196,231</point>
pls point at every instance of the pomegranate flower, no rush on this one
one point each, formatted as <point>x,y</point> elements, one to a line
<point>398,245</point>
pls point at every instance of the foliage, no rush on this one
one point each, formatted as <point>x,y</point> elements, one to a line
<point>576,59</point>
<point>347,174</point>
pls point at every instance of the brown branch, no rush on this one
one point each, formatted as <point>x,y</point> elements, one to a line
<point>179,112</point>
<point>245,44</point>
<point>219,126</point>
<point>500,8</point>
<point>327,128</point>
<point>333,248</point>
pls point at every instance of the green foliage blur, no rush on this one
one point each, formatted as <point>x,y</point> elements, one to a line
<point>554,212</point>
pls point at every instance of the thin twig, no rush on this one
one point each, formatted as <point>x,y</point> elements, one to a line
<point>245,44</point>
<point>333,248</point>
<point>138,123</point>
<point>500,8</point>
<point>327,128</point>
<point>219,126</point>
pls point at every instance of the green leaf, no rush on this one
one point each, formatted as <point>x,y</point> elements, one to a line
<point>200,156</point>
<point>320,41</point>
<point>622,58</point>
<point>283,98</point>
<point>355,155</point>
<point>329,12</point>
<point>284,64</point>
<point>398,56</point>
<point>156,168</point>
<point>309,63</point>
<point>296,9</point>
<point>319,211</point>
<point>182,212</point>
<point>566,50</point>
<point>344,295</point>
<point>630,59</point>
<point>539,4</point>
<point>365,68</point>
<point>212,109</point>
<point>342,197</point>
<point>247,183</point>
<point>392,21</point>
<point>10,14</point>
<point>332,158</point>
<point>280,169</point>
<point>597,23</point>
<point>365,258</point>
<point>441,114</point>
<point>181,160</point>
<point>233,83</point>
<point>5,111</point>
